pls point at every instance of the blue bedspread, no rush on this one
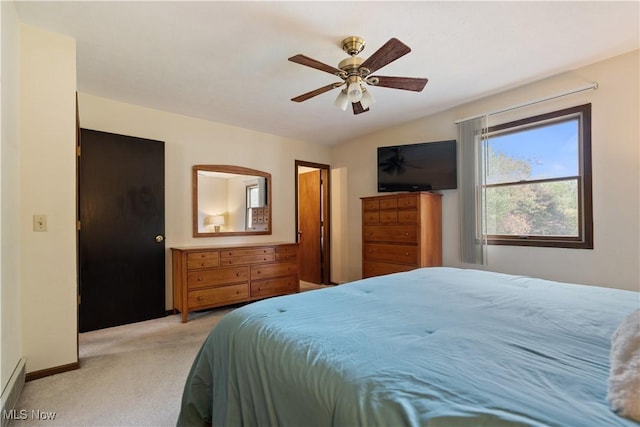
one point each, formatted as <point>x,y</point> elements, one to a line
<point>430,347</point>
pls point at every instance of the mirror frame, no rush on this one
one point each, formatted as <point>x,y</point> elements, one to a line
<point>227,169</point>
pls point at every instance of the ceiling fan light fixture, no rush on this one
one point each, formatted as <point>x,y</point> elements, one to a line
<point>354,92</point>
<point>367,99</point>
<point>342,100</point>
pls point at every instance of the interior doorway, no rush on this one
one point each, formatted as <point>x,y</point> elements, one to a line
<point>313,221</point>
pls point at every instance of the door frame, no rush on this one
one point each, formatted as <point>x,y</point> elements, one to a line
<point>325,176</point>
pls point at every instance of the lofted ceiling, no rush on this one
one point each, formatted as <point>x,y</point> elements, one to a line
<point>227,61</point>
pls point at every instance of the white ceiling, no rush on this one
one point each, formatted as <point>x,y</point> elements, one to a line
<point>227,61</point>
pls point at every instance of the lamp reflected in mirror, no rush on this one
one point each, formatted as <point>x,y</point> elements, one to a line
<point>213,222</point>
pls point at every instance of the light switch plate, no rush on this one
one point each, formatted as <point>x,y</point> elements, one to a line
<point>40,222</point>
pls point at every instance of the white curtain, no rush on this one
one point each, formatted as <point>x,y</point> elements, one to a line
<point>472,137</point>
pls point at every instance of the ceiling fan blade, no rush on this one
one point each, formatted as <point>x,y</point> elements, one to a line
<point>389,52</point>
<point>316,92</point>
<point>405,83</point>
<point>310,62</point>
<point>357,108</point>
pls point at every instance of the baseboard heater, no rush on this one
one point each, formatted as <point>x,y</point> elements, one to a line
<point>12,391</point>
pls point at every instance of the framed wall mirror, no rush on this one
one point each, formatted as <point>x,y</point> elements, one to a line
<point>230,201</point>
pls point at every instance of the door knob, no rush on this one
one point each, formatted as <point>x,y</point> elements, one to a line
<point>159,238</point>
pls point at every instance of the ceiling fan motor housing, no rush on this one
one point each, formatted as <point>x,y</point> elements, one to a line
<point>351,65</point>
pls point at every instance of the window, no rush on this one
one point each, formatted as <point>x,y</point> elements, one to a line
<point>538,181</point>
<point>253,201</point>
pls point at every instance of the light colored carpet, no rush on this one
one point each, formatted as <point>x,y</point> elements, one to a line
<point>130,375</point>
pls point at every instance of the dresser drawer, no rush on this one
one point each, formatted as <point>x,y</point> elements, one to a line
<point>203,259</point>
<point>388,204</point>
<point>287,253</point>
<point>273,270</point>
<point>287,249</point>
<point>407,202</point>
<point>278,285</point>
<point>216,277</point>
<point>370,205</point>
<point>403,254</point>
<point>390,233</point>
<point>370,217</point>
<point>375,268</point>
<point>227,253</point>
<point>388,217</point>
<point>247,259</point>
<point>286,256</point>
<point>246,256</point>
<point>218,296</point>
<point>408,217</point>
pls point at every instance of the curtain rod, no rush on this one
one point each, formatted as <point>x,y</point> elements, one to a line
<point>593,85</point>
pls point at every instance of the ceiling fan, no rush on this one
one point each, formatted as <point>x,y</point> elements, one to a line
<point>355,71</point>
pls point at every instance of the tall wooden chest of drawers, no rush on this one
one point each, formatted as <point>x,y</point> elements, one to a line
<point>213,276</point>
<point>401,232</point>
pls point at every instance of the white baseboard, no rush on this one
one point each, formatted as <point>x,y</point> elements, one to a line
<point>12,391</point>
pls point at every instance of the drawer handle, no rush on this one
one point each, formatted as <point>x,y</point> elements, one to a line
<point>199,279</point>
<point>237,274</point>
<point>203,264</point>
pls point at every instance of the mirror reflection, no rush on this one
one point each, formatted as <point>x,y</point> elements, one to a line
<point>230,200</point>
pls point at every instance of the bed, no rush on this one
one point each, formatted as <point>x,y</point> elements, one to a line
<point>430,347</point>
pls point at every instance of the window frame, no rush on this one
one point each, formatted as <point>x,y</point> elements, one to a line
<point>584,240</point>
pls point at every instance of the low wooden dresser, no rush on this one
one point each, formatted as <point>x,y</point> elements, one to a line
<point>401,232</point>
<point>213,276</point>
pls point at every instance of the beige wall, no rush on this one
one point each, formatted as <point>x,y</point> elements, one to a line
<point>615,261</point>
<point>190,141</point>
<point>10,309</point>
<point>47,186</point>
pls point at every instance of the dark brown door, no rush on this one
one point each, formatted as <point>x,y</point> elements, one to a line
<point>121,251</point>
<point>309,212</point>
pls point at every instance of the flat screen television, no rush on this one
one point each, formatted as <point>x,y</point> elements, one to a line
<point>418,167</point>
